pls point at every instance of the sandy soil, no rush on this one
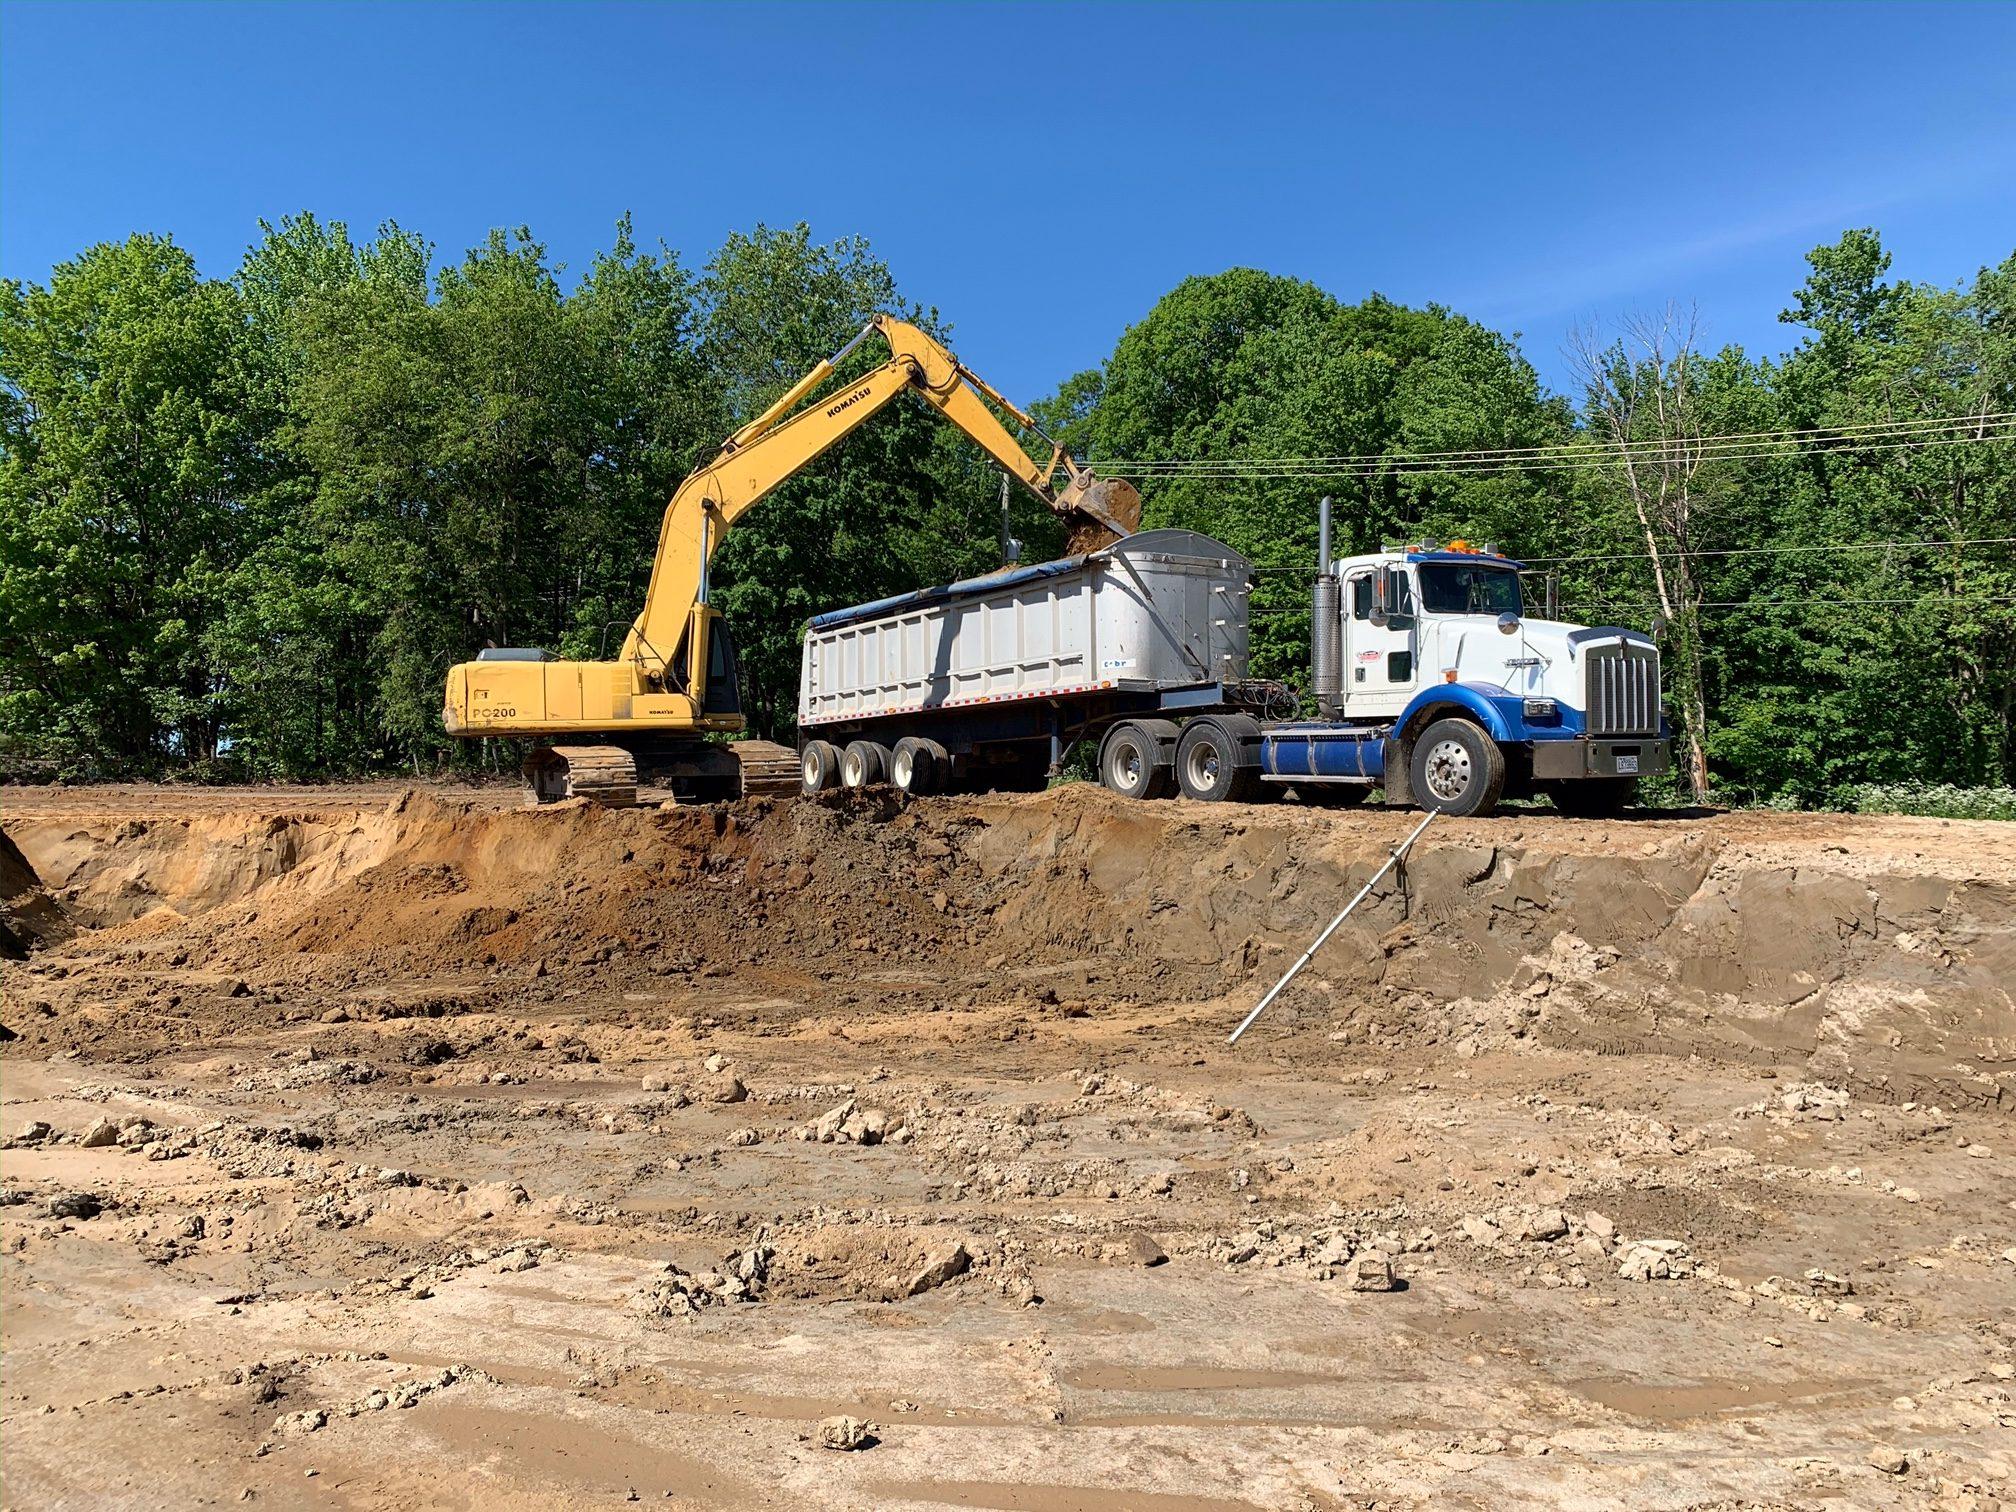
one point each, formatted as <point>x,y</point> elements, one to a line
<point>380,1147</point>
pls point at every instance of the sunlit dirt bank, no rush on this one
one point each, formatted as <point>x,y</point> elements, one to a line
<point>382,1147</point>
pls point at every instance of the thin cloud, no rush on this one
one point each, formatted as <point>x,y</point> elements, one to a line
<point>1565,284</point>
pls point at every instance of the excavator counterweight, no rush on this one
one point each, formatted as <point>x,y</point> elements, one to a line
<point>650,712</point>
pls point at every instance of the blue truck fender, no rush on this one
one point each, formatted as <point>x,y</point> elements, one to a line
<point>1483,704</point>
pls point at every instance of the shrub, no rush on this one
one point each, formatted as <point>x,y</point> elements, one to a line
<point>1940,800</point>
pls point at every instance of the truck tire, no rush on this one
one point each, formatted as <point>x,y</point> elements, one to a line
<point>1456,768</point>
<point>1131,764</point>
<point>918,767</point>
<point>818,767</point>
<point>1595,797</point>
<point>863,764</point>
<point>1208,764</point>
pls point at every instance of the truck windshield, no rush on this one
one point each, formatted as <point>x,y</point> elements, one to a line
<point>1452,588</point>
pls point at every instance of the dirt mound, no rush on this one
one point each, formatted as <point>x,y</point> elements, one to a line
<point>29,917</point>
<point>1883,968</point>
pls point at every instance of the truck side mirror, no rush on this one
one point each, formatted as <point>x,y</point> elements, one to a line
<point>1378,616</point>
<point>1394,583</point>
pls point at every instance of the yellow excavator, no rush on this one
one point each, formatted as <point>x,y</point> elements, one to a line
<point>648,712</point>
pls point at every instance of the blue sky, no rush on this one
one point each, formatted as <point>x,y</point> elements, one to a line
<point>1043,172</point>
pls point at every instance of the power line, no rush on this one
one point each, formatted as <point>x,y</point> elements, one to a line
<point>1793,433</point>
<point>1575,450</point>
<point>1722,603</point>
<point>1378,467</point>
<point>1736,551</point>
<point>1400,467</point>
<point>1778,603</point>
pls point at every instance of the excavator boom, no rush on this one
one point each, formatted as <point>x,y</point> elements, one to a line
<point>785,438</point>
<point>673,682</point>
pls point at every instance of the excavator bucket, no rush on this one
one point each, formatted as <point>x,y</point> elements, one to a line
<point>1099,514</point>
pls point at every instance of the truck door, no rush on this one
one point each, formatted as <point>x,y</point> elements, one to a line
<point>1380,674</point>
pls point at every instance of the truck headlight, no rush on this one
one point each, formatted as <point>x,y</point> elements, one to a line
<point>1542,708</point>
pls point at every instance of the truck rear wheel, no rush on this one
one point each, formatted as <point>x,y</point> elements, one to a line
<point>1131,764</point>
<point>818,767</point>
<point>1457,768</point>
<point>918,766</point>
<point>1208,764</point>
<point>863,764</point>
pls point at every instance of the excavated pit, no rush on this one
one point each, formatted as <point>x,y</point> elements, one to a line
<point>470,1155</point>
<point>1883,964</point>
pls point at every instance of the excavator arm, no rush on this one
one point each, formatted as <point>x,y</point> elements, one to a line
<point>652,704</point>
<point>668,643</point>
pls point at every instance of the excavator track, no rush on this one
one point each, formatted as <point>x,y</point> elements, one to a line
<point>769,770</point>
<point>709,774</point>
<point>605,773</point>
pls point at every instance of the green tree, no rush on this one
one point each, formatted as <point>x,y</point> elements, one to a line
<point>1920,683</point>
<point>125,445</point>
<point>1248,365</point>
<point>295,629</point>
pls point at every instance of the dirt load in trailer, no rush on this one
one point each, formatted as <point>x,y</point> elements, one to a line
<point>983,683</point>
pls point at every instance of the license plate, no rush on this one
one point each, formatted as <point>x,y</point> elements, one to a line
<point>1627,766</point>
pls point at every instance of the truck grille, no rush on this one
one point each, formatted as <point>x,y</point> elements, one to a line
<point>1623,690</point>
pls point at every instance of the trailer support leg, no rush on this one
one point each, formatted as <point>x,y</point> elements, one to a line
<point>1056,742</point>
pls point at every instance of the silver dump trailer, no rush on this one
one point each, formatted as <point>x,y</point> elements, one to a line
<point>985,682</point>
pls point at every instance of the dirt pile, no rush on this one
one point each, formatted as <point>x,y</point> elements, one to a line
<point>1881,966</point>
<point>29,917</point>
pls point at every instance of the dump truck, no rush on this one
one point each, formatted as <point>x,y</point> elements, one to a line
<point>657,712</point>
<point>1429,680</point>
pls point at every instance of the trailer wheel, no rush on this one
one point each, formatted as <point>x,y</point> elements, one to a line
<point>917,766</point>
<point>1131,764</point>
<point>1208,764</point>
<point>863,764</point>
<point>818,767</point>
<point>1457,768</point>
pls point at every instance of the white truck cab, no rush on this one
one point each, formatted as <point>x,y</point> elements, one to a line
<point>1426,637</point>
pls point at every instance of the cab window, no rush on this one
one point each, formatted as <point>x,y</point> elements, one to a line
<point>1460,588</point>
<point>1399,595</point>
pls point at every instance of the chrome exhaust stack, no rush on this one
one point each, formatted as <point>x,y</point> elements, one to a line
<point>1326,624</point>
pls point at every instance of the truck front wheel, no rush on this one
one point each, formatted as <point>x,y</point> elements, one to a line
<point>1457,768</point>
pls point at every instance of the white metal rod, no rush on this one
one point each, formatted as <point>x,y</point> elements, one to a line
<point>1310,954</point>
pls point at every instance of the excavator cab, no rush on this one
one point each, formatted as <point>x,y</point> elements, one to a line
<point>724,680</point>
